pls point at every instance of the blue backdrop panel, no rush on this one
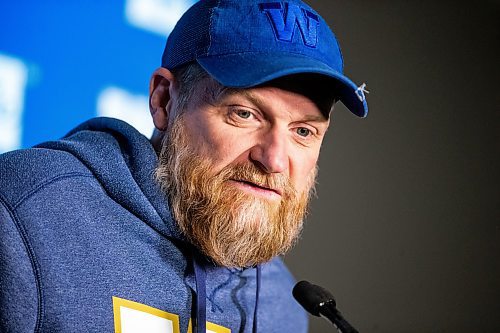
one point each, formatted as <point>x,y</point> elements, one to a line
<point>60,59</point>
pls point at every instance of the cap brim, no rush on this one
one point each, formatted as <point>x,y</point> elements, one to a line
<point>244,70</point>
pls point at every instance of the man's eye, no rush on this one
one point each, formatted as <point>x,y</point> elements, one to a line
<point>244,114</point>
<point>302,131</point>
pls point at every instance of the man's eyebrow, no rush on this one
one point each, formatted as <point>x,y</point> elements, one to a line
<point>315,118</point>
<point>228,92</point>
<point>253,98</point>
<point>259,102</point>
<point>217,96</point>
<point>256,100</point>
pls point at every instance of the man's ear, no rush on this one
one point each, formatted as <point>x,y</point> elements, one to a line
<point>161,95</point>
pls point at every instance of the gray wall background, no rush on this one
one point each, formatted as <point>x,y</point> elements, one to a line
<point>405,231</point>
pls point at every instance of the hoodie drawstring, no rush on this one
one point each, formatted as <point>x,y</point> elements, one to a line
<point>201,293</point>
<point>258,273</point>
<point>201,296</point>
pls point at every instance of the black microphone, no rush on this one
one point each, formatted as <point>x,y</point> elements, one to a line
<point>318,301</point>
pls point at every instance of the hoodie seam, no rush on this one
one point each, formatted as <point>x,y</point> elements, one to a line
<point>46,182</point>
<point>33,261</point>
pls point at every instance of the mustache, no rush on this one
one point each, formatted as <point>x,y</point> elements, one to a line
<point>249,173</point>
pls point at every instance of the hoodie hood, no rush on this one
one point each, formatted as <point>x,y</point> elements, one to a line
<point>124,165</point>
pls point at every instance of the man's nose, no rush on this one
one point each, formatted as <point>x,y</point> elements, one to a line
<point>271,152</point>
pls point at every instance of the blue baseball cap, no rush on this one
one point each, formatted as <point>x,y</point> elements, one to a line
<point>246,43</point>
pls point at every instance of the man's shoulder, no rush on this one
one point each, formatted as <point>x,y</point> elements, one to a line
<point>275,273</point>
<point>25,170</point>
<point>276,266</point>
<point>276,299</point>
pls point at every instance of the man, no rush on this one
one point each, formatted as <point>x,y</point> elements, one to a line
<point>106,230</point>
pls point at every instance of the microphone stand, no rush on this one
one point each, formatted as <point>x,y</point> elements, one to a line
<point>329,311</point>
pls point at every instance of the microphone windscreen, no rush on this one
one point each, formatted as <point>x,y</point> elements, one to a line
<point>311,296</point>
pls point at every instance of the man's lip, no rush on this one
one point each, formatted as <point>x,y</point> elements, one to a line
<point>277,191</point>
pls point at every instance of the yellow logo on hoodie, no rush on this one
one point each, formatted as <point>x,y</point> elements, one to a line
<point>133,317</point>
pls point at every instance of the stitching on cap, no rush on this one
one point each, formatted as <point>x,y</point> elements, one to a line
<point>212,11</point>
